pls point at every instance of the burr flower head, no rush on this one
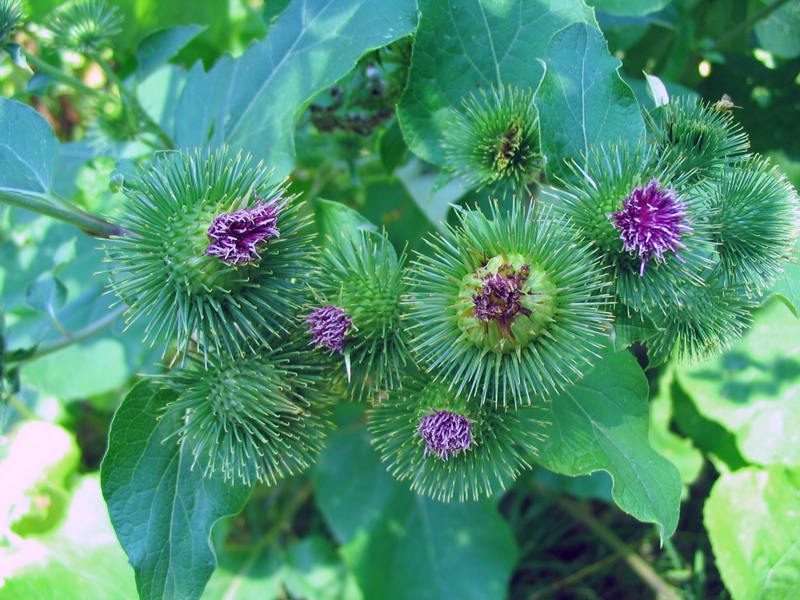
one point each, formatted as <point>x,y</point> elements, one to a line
<point>84,25</point>
<point>445,434</point>
<point>328,325</point>
<point>236,235</point>
<point>651,222</point>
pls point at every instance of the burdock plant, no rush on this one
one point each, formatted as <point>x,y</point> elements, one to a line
<point>356,312</point>
<point>83,26</point>
<point>449,446</point>
<point>214,252</point>
<point>507,307</point>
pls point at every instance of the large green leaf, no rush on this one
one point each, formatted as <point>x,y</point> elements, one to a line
<point>751,519</point>
<point>461,47</point>
<point>753,390</point>
<point>162,509</point>
<point>400,545</point>
<point>582,100</point>
<point>252,103</point>
<point>601,422</point>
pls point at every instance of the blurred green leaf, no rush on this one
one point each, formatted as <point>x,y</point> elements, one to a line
<point>334,218</point>
<point>475,44</point>
<point>46,295</point>
<point>148,479</point>
<point>788,287</point>
<point>252,103</point>
<point>247,573</point>
<point>160,46</point>
<point>629,8</point>
<point>601,422</point>
<point>711,437</point>
<point>36,461</point>
<point>753,390</point>
<point>582,100</point>
<point>678,450</point>
<point>81,559</point>
<point>751,519</point>
<point>315,570</point>
<point>28,151</point>
<point>392,147</point>
<point>80,371</point>
<point>400,545</point>
<point>779,33</point>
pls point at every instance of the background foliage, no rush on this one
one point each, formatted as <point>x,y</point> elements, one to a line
<point>722,435</point>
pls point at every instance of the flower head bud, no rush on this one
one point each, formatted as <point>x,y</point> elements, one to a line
<point>328,325</point>
<point>83,25</point>
<point>651,222</point>
<point>700,136</point>
<point>361,275</point>
<point>445,434</point>
<point>447,445</point>
<point>507,307</point>
<point>495,139</point>
<point>235,236</point>
<point>223,299</point>
<point>253,418</point>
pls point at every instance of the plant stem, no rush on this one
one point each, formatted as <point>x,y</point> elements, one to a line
<point>58,75</point>
<point>18,404</point>
<point>664,590</point>
<point>57,208</point>
<point>131,98</point>
<point>745,25</point>
<point>71,339</point>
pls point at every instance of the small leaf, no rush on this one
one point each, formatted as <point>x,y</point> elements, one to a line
<point>657,90</point>
<point>601,422</point>
<point>46,295</point>
<point>751,519</point>
<point>17,57</point>
<point>393,149</point>
<point>400,545</point>
<point>753,390</point>
<point>161,46</point>
<point>162,509</point>
<point>316,570</point>
<point>334,218</point>
<point>582,100</point>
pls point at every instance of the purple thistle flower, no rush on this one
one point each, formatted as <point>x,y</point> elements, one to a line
<point>328,325</point>
<point>235,236</point>
<point>651,222</point>
<point>499,298</point>
<point>445,434</point>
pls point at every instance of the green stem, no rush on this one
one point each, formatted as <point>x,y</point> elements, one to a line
<point>149,123</point>
<point>71,339</point>
<point>21,408</point>
<point>58,75</point>
<point>57,208</point>
<point>663,590</point>
<point>745,25</point>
